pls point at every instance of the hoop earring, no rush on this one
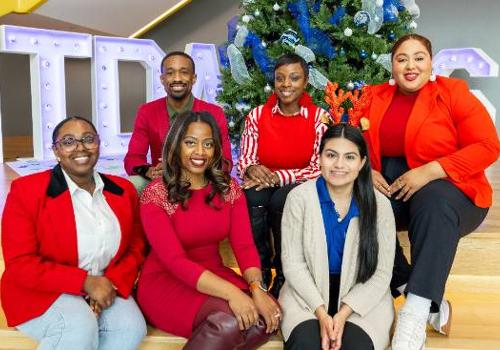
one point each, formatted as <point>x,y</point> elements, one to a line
<point>392,82</point>
<point>432,77</point>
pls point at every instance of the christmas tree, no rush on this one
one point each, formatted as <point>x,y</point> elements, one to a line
<point>344,41</point>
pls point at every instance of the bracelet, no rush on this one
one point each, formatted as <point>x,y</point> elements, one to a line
<point>257,284</point>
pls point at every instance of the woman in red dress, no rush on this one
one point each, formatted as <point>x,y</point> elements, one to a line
<point>184,288</point>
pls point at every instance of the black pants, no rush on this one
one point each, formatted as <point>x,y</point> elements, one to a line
<point>307,336</point>
<point>436,217</point>
<point>266,209</point>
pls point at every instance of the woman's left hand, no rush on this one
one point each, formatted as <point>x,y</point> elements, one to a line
<point>339,320</point>
<point>96,309</point>
<point>259,185</point>
<point>269,309</point>
<point>414,179</point>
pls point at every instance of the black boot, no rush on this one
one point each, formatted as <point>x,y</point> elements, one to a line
<point>279,279</point>
<point>267,276</point>
<point>261,237</point>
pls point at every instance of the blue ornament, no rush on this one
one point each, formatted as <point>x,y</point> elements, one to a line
<point>399,5</point>
<point>390,13</point>
<point>358,84</point>
<point>361,18</point>
<point>363,54</point>
<point>341,52</point>
<point>289,37</point>
<point>391,36</point>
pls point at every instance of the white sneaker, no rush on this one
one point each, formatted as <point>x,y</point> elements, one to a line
<point>441,321</point>
<point>410,332</point>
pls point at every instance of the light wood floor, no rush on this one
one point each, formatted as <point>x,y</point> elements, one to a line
<point>473,288</point>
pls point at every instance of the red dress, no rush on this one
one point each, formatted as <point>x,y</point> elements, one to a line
<point>184,243</point>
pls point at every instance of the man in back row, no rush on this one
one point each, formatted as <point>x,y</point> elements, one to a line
<point>154,118</point>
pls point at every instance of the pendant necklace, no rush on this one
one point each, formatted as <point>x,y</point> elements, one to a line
<point>336,212</point>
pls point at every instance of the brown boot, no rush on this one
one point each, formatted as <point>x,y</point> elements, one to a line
<point>256,336</point>
<point>220,331</point>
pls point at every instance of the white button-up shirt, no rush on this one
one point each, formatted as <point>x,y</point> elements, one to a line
<point>97,227</point>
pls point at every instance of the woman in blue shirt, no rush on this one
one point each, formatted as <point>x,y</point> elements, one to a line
<point>337,251</point>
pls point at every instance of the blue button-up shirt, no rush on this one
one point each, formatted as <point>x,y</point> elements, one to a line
<point>335,230</point>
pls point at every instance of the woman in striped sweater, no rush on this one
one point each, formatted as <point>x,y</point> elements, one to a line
<point>279,149</point>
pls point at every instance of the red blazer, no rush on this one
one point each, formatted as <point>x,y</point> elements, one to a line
<point>151,127</point>
<point>39,243</point>
<point>447,124</point>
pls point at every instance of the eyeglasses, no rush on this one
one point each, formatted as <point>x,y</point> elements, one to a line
<point>70,143</point>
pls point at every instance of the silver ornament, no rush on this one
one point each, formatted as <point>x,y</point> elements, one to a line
<point>375,10</point>
<point>348,32</point>
<point>306,53</point>
<point>241,36</point>
<point>239,69</point>
<point>317,79</point>
<point>385,61</point>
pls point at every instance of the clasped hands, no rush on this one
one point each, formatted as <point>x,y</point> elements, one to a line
<point>332,327</point>
<point>260,177</point>
<point>407,184</point>
<point>101,292</point>
<point>247,309</point>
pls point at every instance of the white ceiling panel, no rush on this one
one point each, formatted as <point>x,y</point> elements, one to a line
<point>117,17</point>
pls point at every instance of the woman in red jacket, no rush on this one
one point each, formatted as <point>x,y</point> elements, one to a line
<point>184,287</point>
<point>430,141</point>
<point>73,244</point>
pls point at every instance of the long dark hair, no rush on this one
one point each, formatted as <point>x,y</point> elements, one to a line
<point>178,188</point>
<point>365,198</point>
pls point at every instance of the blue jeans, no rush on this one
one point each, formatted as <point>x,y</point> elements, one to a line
<point>69,323</point>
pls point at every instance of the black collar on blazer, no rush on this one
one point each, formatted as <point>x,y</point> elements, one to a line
<point>58,185</point>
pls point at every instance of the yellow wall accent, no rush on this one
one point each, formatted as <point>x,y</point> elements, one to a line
<point>160,18</point>
<point>19,6</point>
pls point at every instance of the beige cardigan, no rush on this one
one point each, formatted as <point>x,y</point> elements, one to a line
<point>305,266</point>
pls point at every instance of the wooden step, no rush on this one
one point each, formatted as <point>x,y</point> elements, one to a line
<point>476,325</point>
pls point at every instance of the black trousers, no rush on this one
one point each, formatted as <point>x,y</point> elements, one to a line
<point>266,209</point>
<point>436,217</point>
<point>307,336</point>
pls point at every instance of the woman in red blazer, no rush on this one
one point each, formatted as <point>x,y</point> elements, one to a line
<point>430,141</point>
<point>73,244</point>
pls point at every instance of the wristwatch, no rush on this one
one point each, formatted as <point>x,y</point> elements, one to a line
<point>258,284</point>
